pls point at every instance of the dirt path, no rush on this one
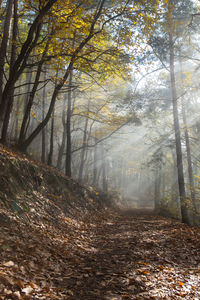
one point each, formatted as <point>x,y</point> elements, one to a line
<point>136,256</point>
<point>106,256</point>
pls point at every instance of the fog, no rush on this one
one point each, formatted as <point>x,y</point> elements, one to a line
<point>122,133</point>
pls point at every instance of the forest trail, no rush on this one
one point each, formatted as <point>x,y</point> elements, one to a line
<point>62,240</point>
<point>107,255</point>
<point>139,256</point>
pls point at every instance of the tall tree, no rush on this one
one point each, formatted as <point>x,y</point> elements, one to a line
<point>12,61</point>
<point>50,155</point>
<point>68,171</point>
<point>4,43</point>
<point>167,33</point>
<point>187,142</point>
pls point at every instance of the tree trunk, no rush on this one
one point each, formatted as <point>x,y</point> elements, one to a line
<point>43,155</point>
<point>94,182</point>
<point>50,156</point>
<point>98,177</point>
<point>51,143</point>
<point>84,145</point>
<point>17,111</point>
<point>188,149</point>
<point>17,120</point>
<point>104,175</point>
<point>29,105</point>
<point>68,129</point>
<point>189,159</point>
<point>31,96</point>
<point>68,166</point>
<point>181,183</point>
<point>4,42</point>
<point>12,61</point>
<point>61,149</point>
<point>63,142</point>
<point>174,180</point>
<point>157,190</point>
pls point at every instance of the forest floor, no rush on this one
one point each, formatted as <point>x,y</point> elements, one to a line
<point>58,240</point>
<point>111,255</point>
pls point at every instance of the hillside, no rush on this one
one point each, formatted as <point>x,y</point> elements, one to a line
<point>42,212</point>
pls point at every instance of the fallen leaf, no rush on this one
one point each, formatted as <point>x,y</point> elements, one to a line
<point>9,264</point>
<point>17,294</point>
<point>145,272</point>
<point>20,284</point>
<point>27,290</point>
<point>181,284</point>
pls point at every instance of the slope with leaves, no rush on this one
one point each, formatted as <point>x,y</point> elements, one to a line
<point>44,217</point>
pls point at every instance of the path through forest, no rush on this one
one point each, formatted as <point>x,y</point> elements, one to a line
<point>139,256</point>
<point>110,256</point>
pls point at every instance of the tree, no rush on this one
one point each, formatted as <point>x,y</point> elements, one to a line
<point>4,43</point>
<point>169,33</point>
<point>12,62</point>
<point>24,53</point>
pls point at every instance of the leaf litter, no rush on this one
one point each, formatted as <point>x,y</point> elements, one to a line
<point>111,256</point>
<point>57,244</point>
